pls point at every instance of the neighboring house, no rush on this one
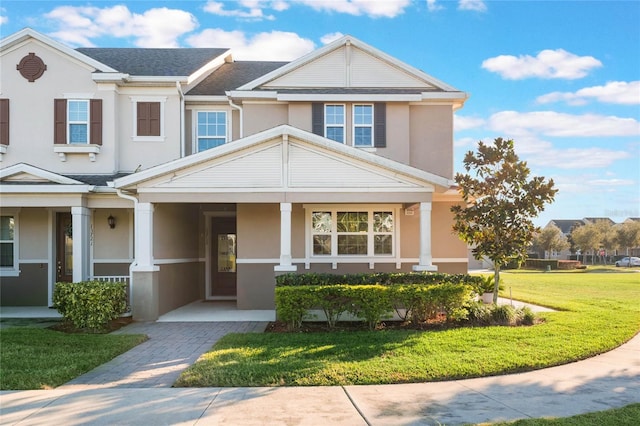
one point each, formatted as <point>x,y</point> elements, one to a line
<point>566,226</point>
<point>199,177</point>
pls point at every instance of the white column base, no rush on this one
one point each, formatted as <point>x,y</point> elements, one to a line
<point>285,268</point>
<point>425,268</point>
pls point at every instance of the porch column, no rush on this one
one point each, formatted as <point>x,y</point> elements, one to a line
<point>145,297</point>
<point>425,262</point>
<point>80,223</point>
<point>285,240</point>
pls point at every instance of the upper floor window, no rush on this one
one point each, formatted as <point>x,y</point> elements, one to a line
<point>362,232</point>
<point>4,121</point>
<point>211,129</point>
<point>78,121</point>
<point>334,120</point>
<point>366,125</point>
<point>363,125</point>
<point>8,245</point>
<point>148,118</point>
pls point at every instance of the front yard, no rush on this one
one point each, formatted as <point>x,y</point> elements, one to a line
<point>596,312</point>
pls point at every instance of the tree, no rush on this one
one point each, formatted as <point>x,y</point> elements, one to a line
<point>501,200</point>
<point>608,237</point>
<point>587,237</point>
<point>551,238</point>
<point>628,236</point>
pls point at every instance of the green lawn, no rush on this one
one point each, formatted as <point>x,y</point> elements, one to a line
<point>38,358</point>
<point>625,416</point>
<point>596,312</point>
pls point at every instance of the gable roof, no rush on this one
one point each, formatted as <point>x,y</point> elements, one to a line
<point>27,33</point>
<point>27,174</point>
<point>314,147</point>
<point>231,75</point>
<point>566,225</point>
<point>154,62</point>
<point>348,40</point>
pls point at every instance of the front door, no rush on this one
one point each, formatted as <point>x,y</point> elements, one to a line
<point>64,247</point>
<point>223,258</point>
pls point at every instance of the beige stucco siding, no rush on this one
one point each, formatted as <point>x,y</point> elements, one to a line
<point>113,243</point>
<point>263,116</point>
<point>32,110</point>
<point>258,231</point>
<point>398,136</point>
<point>300,115</point>
<point>176,231</point>
<point>431,136</point>
<point>33,232</point>
<point>446,243</point>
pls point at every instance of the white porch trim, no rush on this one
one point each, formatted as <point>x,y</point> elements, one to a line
<point>425,260</point>
<point>285,240</point>
<point>80,218</point>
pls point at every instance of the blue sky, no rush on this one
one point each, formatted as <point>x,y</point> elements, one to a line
<point>561,78</point>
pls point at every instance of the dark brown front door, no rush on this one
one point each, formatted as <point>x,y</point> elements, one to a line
<point>64,248</point>
<point>223,253</point>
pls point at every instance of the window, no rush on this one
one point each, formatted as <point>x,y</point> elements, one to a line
<point>8,246</point>
<point>334,122</point>
<point>363,232</point>
<point>211,129</point>
<point>368,123</point>
<point>363,125</point>
<point>78,121</point>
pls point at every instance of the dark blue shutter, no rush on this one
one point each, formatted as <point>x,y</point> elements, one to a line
<point>380,125</point>
<point>317,118</point>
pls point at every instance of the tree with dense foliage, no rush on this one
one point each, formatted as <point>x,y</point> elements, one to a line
<point>501,200</point>
<point>551,238</point>
<point>587,237</point>
<point>628,236</point>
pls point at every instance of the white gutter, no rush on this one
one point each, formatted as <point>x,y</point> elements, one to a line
<point>239,108</point>
<point>182,141</point>
<point>135,229</point>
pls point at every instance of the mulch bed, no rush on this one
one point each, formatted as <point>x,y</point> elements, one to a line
<point>113,325</point>
<point>438,323</point>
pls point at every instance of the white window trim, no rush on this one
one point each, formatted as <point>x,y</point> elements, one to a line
<point>13,271</point>
<point>194,126</point>
<point>354,125</point>
<point>334,257</point>
<point>344,124</point>
<point>86,123</point>
<point>134,108</point>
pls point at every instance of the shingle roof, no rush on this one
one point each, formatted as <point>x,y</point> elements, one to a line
<point>357,91</point>
<point>232,75</point>
<point>97,180</point>
<point>567,225</point>
<point>153,62</point>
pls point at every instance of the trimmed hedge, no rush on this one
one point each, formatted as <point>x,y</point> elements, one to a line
<point>554,264</point>
<point>90,304</point>
<point>378,278</point>
<point>372,303</point>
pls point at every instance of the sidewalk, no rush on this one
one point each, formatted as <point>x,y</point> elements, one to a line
<point>605,381</point>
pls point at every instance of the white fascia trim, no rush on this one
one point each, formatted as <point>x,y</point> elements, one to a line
<point>159,79</point>
<point>280,189</point>
<point>47,189</point>
<point>276,133</point>
<point>348,98</point>
<point>100,77</point>
<point>343,41</point>
<point>459,96</point>
<point>211,98</point>
<point>27,33</point>
<point>40,173</point>
<point>248,94</point>
<point>208,67</point>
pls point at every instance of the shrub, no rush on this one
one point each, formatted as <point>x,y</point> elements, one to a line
<point>90,304</point>
<point>381,278</point>
<point>479,313</point>
<point>292,305</point>
<point>503,314</point>
<point>526,316</point>
<point>371,303</point>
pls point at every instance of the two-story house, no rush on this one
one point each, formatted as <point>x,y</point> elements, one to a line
<point>200,177</point>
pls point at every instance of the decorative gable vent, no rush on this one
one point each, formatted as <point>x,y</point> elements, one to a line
<point>31,67</point>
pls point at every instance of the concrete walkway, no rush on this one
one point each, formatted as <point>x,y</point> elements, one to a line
<point>606,381</point>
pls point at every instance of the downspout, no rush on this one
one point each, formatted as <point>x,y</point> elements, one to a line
<point>182,146</point>
<point>239,108</point>
<point>135,228</point>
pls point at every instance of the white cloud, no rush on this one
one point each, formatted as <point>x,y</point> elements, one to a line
<point>371,8</point>
<point>474,5</point>
<point>160,27</point>
<point>553,123</point>
<point>465,143</point>
<point>610,182</point>
<point>547,64</point>
<point>271,46</point>
<point>433,6</point>
<point>253,9</point>
<point>577,158</point>
<point>461,122</point>
<point>3,18</point>
<point>328,38</point>
<point>614,92</point>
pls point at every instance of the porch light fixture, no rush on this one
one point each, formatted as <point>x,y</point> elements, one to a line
<point>111,221</point>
